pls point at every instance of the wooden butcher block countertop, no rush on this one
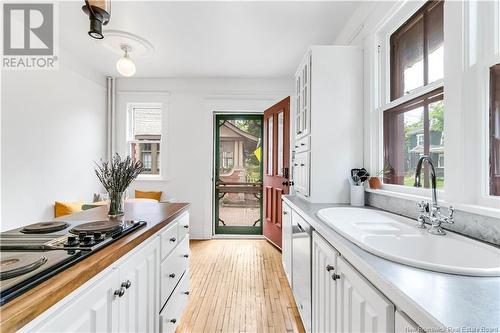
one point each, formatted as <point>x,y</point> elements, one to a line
<point>21,310</point>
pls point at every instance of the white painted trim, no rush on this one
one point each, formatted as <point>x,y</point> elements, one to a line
<point>413,94</point>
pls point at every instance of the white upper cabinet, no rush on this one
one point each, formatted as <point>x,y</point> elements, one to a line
<point>360,307</point>
<point>328,122</point>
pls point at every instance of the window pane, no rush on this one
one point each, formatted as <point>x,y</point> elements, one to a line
<point>411,131</point>
<point>148,153</point>
<point>407,58</point>
<point>417,50</point>
<point>147,123</point>
<point>280,143</point>
<point>435,43</point>
<point>270,157</point>
<point>495,130</point>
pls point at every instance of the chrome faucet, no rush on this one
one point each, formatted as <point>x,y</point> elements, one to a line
<point>431,213</point>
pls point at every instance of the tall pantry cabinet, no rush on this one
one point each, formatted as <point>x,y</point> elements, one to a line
<point>328,122</point>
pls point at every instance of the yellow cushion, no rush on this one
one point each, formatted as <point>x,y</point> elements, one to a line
<point>148,195</point>
<point>66,208</point>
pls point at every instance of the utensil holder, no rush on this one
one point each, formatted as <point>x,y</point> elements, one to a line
<point>357,195</point>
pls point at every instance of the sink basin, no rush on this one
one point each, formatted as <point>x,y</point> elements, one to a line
<point>396,238</point>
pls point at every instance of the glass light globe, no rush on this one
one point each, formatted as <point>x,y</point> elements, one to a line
<point>125,66</point>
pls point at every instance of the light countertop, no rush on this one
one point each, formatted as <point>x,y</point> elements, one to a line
<point>433,300</point>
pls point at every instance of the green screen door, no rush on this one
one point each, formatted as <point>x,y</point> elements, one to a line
<point>238,174</point>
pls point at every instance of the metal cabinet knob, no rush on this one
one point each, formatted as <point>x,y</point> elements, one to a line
<point>186,256</point>
<point>186,293</point>
<point>335,277</point>
<point>119,292</point>
<point>329,268</point>
<point>172,275</point>
<point>173,239</point>
<point>173,321</point>
<point>186,227</point>
<point>126,284</point>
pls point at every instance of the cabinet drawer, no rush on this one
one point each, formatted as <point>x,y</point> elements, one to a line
<point>303,144</point>
<point>172,269</point>
<point>171,314</point>
<point>183,226</point>
<point>169,239</point>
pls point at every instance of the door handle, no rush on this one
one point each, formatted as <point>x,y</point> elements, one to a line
<point>300,227</point>
<point>288,183</point>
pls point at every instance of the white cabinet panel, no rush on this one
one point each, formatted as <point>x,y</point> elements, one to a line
<point>169,238</point>
<point>287,242</point>
<point>138,307</point>
<point>360,307</point>
<point>93,310</point>
<point>172,269</point>
<point>301,172</point>
<point>403,324</point>
<point>324,293</point>
<point>183,226</point>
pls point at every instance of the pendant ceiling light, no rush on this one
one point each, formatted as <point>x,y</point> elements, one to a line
<point>99,12</point>
<point>125,65</point>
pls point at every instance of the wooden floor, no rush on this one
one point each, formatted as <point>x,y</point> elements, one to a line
<point>238,286</point>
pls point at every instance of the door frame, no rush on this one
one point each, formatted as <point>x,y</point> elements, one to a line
<point>233,230</point>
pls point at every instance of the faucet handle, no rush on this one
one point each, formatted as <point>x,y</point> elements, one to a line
<point>423,207</point>
<point>450,218</point>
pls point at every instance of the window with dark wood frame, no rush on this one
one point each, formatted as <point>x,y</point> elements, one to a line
<point>403,125</point>
<point>495,130</point>
<point>417,50</point>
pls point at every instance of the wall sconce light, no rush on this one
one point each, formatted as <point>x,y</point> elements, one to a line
<point>125,65</point>
<point>99,12</point>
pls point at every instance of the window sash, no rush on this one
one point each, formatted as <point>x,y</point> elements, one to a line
<point>396,75</point>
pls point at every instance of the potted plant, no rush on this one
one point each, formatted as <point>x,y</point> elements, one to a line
<point>374,181</point>
<point>116,175</point>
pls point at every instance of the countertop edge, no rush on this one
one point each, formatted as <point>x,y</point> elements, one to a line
<point>20,311</point>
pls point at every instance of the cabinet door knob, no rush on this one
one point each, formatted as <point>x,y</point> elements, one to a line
<point>126,284</point>
<point>335,277</point>
<point>119,292</point>
<point>186,293</point>
<point>173,239</point>
<point>329,268</point>
<point>285,212</point>
<point>173,321</point>
<point>186,256</point>
<point>186,227</point>
<point>172,275</point>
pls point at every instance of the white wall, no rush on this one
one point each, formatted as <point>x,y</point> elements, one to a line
<point>188,113</point>
<point>53,126</point>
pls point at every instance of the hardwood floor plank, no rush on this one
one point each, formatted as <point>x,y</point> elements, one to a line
<point>238,286</point>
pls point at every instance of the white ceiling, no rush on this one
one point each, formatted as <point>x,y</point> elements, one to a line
<point>210,39</point>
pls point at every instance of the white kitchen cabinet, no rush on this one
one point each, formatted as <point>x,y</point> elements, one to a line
<point>360,307</point>
<point>302,100</point>
<point>301,169</point>
<point>125,297</point>
<point>324,286</point>
<point>328,122</point>
<point>138,307</point>
<point>91,310</point>
<point>171,313</point>
<point>286,251</point>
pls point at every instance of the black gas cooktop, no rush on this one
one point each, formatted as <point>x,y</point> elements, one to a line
<point>32,254</point>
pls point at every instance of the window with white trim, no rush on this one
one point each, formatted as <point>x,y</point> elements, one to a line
<point>414,125</point>
<point>145,136</point>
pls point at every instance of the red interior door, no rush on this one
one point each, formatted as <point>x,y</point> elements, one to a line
<point>276,167</point>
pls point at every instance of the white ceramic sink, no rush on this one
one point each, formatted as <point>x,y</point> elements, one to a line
<point>396,238</point>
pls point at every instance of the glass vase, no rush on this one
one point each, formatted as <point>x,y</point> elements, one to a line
<point>116,204</point>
